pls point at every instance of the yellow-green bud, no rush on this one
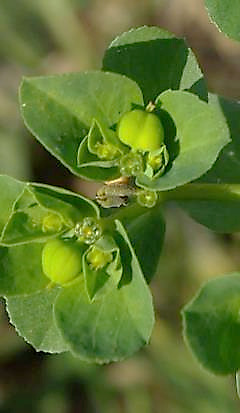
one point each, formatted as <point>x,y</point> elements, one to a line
<point>141,130</point>
<point>61,260</point>
<point>52,222</point>
<point>98,258</point>
<point>107,151</point>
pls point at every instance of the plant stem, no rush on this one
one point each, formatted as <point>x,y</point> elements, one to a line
<point>203,192</point>
<point>123,214</point>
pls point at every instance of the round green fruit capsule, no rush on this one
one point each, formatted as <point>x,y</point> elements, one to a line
<point>141,130</point>
<point>61,260</point>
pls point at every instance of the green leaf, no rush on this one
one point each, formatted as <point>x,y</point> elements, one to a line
<point>32,316</point>
<point>100,281</point>
<point>227,167</point>
<point>20,269</point>
<point>10,189</point>
<point>113,326</point>
<point>72,206</point>
<point>59,110</point>
<point>156,60</point>
<point>201,132</point>
<point>212,324</point>
<point>42,211</point>
<point>226,15</point>
<point>221,216</point>
<point>148,229</point>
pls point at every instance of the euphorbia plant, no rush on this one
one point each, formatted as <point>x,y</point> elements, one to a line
<point>147,129</point>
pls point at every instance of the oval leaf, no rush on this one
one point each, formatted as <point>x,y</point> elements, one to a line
<point>59,110</point>
<point>212,324</point>
<point>32,316</point>
<point>111,327</point>
<point>20,269</point>
<point>156,60</point>
<point>221,216</point>
<point>226,15</point>
<point>201,132</point>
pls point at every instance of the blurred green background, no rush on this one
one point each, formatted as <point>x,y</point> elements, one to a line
<point>54,36</point>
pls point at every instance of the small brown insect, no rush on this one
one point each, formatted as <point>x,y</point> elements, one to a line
<point>116,193</point>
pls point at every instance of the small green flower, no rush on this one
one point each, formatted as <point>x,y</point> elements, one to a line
<point>88,231</point>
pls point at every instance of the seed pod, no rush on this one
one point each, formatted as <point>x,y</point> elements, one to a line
<point>141,130</point>
<point>61,260</point>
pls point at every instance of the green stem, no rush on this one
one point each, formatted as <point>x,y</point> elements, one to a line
<point>202,192</point>
<point>124,213</point>
<point>189,192</point>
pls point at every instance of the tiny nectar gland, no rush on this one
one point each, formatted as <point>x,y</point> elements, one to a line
<point>88,231</point>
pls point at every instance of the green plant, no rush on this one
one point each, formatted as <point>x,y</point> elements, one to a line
<point>86,267</point>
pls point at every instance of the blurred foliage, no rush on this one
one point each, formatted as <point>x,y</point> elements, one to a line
<point>55,36</point>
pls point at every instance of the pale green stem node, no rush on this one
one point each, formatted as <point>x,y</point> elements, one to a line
<point>147,199</point>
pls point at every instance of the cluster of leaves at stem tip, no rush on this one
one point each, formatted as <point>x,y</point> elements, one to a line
<point>75,272</point>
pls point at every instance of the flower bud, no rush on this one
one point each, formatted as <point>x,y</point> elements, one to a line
<point>61,260</point>
<point>107,151</point>
<point>141,130</point>
<point>52,222</point>
<point>156,162</point>
<point>98,258</point>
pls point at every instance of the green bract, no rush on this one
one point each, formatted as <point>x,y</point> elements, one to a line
<point>61,260</point>
<point>82,276</point>
<point>141,130</point>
